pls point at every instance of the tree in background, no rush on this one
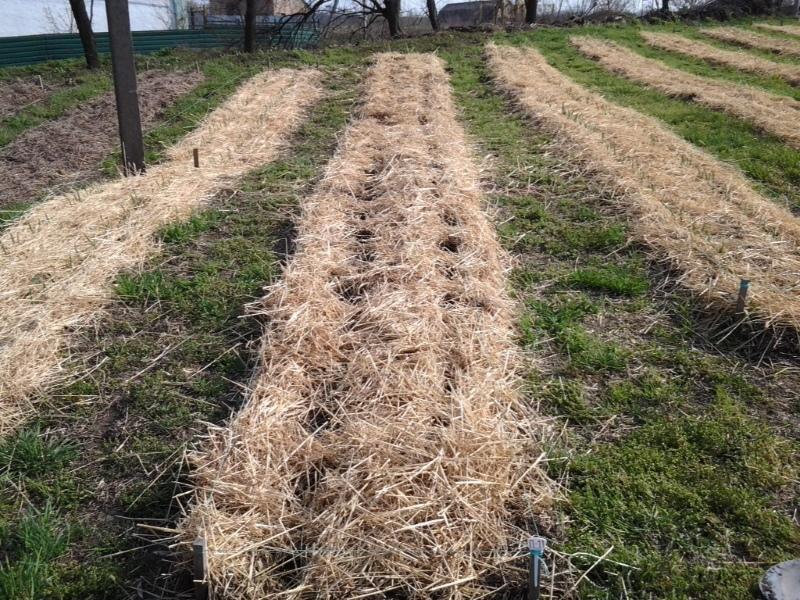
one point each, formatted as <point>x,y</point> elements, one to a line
<point>367,10</point>
<point>391,12</point>
<point>531,7</point>
<point>85,31</point>
<point>250,26</point>
<point>433,14</point>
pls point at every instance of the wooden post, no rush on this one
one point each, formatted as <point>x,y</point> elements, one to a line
<point>124,69</point>
<point>250,26</point>
<point>200,569</point>
<point>196,156</point>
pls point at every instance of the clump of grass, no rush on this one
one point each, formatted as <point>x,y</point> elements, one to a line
<point>31,453</point>
<point>620,280</point>
<point>37,540</point>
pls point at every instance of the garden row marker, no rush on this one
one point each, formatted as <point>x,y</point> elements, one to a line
<point>536,545</point>
<point>196,155</point>
<point>744,286</point>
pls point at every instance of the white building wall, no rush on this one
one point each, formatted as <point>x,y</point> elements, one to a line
<point>31,17</point>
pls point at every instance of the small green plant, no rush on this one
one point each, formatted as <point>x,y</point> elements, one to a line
<point>31,453</point>
<point>34,544</point>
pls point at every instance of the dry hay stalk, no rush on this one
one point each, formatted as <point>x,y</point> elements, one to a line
<point>700,215</point>
<point>58,260</point>
<point>787,29</point>
<point>774,114</point>
<point>384,445</point>
<point>738,59</point>
<point>751,39</point>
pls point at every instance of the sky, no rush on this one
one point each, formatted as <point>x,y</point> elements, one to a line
<point>31,17</point>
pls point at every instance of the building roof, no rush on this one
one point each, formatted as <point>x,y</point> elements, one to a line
<point>467,6</point>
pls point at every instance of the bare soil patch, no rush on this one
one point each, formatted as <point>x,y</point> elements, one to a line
<point>69,150</point>
<point>17,94</point>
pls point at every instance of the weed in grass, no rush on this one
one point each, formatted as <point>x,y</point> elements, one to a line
<point>30,453</point>
<point>37,540</point>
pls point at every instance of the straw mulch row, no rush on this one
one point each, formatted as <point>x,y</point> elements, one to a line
<point>69,150</point>
<point>738,59</point>
<point>384,449</point>
<point>751,39</point>
<point>788,29</point>
<point>58,262</point>
<point>774,114</point>
<point>699,215</point>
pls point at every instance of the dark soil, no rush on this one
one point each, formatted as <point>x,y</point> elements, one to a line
<point>70,150</point>
<point>20,93</point>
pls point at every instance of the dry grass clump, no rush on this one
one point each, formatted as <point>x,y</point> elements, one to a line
<point>751,39</point>
<point>738,59</point>
<point>58,261</point>
<point>777,115</point>
<point>384,448</point>
<point>699,215</point>
<point>788,29</point>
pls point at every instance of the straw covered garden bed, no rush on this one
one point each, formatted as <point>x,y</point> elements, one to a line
<point>383,448</point>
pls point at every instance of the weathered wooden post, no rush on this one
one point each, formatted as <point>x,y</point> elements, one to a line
<point>124,70</point>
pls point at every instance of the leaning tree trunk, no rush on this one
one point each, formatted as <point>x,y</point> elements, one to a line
<point>250,26</point>
<point>85,30</point>
<point>392,15</point>
<point>433,14</point>
<point>531,7</point>
<point>665,6</point>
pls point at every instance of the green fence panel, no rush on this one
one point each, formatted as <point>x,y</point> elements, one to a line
<point>30,49</point>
